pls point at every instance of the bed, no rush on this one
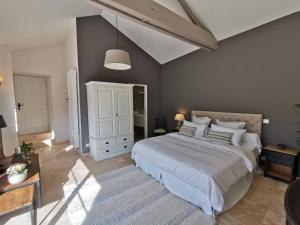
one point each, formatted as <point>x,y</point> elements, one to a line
<point>212,176</point>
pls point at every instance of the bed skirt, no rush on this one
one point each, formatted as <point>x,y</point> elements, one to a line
<point>192,194</point>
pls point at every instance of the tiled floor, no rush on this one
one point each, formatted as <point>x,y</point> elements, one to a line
<point>62,165</point>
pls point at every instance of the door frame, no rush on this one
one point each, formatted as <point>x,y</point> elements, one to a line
<point>145,107</point>
<point>46,78</point>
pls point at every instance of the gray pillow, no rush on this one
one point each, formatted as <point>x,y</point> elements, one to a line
<point>187,131</point>
<point>219,137</point>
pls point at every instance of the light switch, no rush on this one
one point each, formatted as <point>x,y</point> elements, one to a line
<point>266,121</point>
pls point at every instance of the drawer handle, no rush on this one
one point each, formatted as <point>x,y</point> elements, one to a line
<point>107,143</point>
<point>125,139</point>
<point>125,146</point>
<point>107,151</point>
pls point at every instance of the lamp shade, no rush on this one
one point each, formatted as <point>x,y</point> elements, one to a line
<point>1,79</point>
<point>179,117</point>
<point>2,122</point>
<point>117,59</point>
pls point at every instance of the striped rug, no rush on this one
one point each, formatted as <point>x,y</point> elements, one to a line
<point>128,196</point>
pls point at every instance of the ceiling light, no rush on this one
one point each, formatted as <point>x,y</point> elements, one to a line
<point>117,59</point>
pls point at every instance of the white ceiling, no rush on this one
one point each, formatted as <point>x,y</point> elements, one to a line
<point>28,23</point>
<point>224,18</point>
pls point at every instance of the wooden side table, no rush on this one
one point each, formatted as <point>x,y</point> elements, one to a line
<point>12,202</point>
<point>279,163</point>
<point>33,177</point>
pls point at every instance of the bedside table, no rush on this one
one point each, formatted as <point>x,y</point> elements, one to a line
<point>279,163</point>
<point>176,129</point>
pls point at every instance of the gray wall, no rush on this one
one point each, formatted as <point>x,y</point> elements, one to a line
<point>256,72</point>
<point>94,36</point>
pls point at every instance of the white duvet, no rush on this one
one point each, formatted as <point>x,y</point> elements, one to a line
<point>211,168</point>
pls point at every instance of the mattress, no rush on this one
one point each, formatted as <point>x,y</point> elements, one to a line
<point>196,170</point>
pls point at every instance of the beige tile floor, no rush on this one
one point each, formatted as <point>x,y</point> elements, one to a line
<point>61,165</point>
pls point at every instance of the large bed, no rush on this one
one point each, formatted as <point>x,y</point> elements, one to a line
<point>210,175</point>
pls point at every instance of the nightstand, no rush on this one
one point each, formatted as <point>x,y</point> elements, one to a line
<point>176,129</point>
<point>279,163</point>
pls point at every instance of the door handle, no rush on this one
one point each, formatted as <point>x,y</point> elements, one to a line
<point>19,105</point>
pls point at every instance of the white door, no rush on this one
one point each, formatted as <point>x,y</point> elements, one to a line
<point>32,106</point>
<point>106,111</point>
<point>124,107</point>
<point>73,108</point>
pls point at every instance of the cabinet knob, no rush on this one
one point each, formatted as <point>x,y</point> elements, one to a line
<point>125,146</point>
<point>116,114</point>
<point>125,139</point>
<point>107,151</point>
<point>107,143</point>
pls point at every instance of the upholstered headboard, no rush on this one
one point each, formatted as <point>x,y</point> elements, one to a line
<point>253,121</point>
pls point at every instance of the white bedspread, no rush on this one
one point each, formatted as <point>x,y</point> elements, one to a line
<point>211,168</point>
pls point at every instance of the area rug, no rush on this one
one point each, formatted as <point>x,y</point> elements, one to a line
<point>128,196</point>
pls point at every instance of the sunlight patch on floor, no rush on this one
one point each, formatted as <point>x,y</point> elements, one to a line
<point>47,142</point>
<point>80,192</point>
<point>68,148</point>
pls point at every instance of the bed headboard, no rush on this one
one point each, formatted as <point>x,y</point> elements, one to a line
<point>253,121</point>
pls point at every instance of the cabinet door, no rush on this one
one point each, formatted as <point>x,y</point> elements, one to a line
<point>105,98</point>
<point>106,111</point>
<point>124,106</point>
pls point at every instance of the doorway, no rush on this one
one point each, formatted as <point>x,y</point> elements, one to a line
<point>140,109</point>
<point>31,104</point>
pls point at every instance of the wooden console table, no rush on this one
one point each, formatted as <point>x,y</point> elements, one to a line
<point>33,178</point>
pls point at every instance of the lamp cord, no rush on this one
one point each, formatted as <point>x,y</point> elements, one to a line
<point>117,32</point>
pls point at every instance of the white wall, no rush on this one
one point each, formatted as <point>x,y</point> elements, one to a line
<point>48,61</point>
<point>7,102</point>
<point>71,53</point>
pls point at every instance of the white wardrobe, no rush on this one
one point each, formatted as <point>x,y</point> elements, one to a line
<point>110,114</point>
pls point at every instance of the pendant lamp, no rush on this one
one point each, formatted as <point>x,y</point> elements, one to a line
<point>117,59</point>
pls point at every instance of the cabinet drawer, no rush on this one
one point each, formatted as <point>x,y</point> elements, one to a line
<point>105,152</point>
<point>127,147</point>
<point>279,158</point>
<point>124,139</point>
<point>107,142</point>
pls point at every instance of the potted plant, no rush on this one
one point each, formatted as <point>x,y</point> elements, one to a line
<point>17,173</point>
<point>26,150</point>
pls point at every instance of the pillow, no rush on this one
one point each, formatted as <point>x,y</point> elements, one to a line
<point>237,133</point>
<point>219,137</point>
<point>251,139</point>
<point>187,131</point>
<point>201,120</point>
<point>200,129</point>
<point>235,125</point>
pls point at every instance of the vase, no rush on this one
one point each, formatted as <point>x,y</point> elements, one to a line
<point>17,178</point>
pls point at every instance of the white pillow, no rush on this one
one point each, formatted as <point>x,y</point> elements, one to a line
<point>237,133</point>
<point>201,120</point>
<point>235,125</point>
<point>251,139</point>
<point>200,128</point>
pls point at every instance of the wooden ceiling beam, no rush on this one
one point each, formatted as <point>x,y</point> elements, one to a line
<point>158,17</point>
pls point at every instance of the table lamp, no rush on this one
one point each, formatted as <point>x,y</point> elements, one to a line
<point>179,117</point>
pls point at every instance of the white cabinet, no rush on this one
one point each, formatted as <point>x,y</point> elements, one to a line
<point>110,112</point>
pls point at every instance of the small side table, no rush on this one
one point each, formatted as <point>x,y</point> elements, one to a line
<point>279,163</point>
<point>176,129</point>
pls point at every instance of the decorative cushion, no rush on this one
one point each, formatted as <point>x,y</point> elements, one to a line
<point>219,137</point>
<point>237,133</point>
<point>200,129</point>
<point>187,131</point>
